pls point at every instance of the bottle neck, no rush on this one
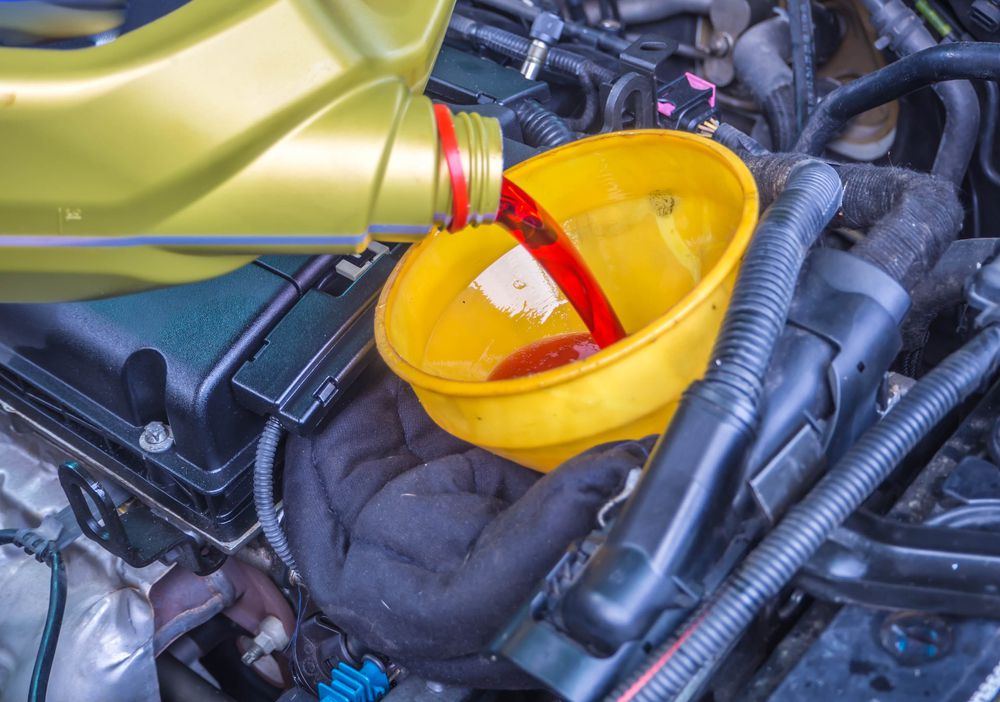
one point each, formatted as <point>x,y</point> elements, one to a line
<point>477,146</point>
<point>417,193</point>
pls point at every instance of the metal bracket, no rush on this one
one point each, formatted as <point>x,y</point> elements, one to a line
<point>128,528</point>
<point>883,563</point>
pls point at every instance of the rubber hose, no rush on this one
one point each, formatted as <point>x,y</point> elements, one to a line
<point>779,113</point>
<point>988,134</point>
<point>263,492</point>
<point>740,142</point>
<point>589,74</point>
<point>907,34</point>
<point>773,564</point>
<point>759,59</point>
<point>542,128</point>
<point>957,61</point>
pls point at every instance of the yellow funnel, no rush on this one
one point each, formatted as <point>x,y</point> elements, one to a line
<point>662,218</point>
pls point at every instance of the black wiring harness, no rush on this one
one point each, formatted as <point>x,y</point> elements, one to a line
<point>44,551</point>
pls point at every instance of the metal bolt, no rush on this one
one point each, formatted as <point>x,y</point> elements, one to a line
<point>253,654</point>
<point>156,437</point>
<point>271,637</point>
<point>915,638</point>
<point>721,44</point>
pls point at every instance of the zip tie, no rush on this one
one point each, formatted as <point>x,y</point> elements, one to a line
<point>453,159</point>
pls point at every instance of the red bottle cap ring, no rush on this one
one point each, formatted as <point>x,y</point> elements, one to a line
<point>453,159</point>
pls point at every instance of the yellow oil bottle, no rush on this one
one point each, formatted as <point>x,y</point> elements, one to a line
<point>227,129</point>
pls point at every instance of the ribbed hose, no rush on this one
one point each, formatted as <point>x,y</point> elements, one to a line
<point>541,127</point>
<point>800,21</point>
<point>263,492</point>
<point>742,353</point>
<point>516,47</point>
<point>773,564</point>
<point>649,559</point>
<point>589,74</point>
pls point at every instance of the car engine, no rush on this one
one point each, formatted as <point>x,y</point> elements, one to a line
<point>815,522</point>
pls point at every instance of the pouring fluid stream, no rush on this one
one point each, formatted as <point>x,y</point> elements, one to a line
<point>545,240</point>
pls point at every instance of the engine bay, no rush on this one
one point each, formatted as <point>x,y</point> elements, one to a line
<point>237,500</point>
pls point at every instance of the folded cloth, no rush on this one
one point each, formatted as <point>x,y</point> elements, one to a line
<point>422,546</point>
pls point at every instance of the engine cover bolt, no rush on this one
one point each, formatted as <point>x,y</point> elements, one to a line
<point>156,437</point>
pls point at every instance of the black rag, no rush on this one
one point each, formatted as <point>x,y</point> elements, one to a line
<point>422,546</point>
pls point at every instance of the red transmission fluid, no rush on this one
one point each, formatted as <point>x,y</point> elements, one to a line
<point>545,240</point>
<point>551,352</point>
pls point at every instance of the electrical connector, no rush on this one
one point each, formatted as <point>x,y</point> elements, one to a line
<point>348,684</point>
<point>687,103</point>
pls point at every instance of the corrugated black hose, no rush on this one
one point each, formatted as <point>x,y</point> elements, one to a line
<point>44,551</point>
<point>263,493</point>
<point>947,62</point>
<point>541,127</point>
<point>800,20</point>
<point>649,562</point>
<point>588,73</point>
<point>773,564</point>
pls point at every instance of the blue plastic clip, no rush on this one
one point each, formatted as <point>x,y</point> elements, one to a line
<point>350,685</point>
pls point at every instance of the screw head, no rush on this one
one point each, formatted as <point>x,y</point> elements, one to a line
<point>156,437</point>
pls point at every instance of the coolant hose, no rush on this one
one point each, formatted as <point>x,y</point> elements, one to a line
<point>907,34</point>
<point>542,128</point>
<point>773,564</point>
<point>946,62</point>
<point>759,58</point>
<point>263,493</point>
<point>649,561</point>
